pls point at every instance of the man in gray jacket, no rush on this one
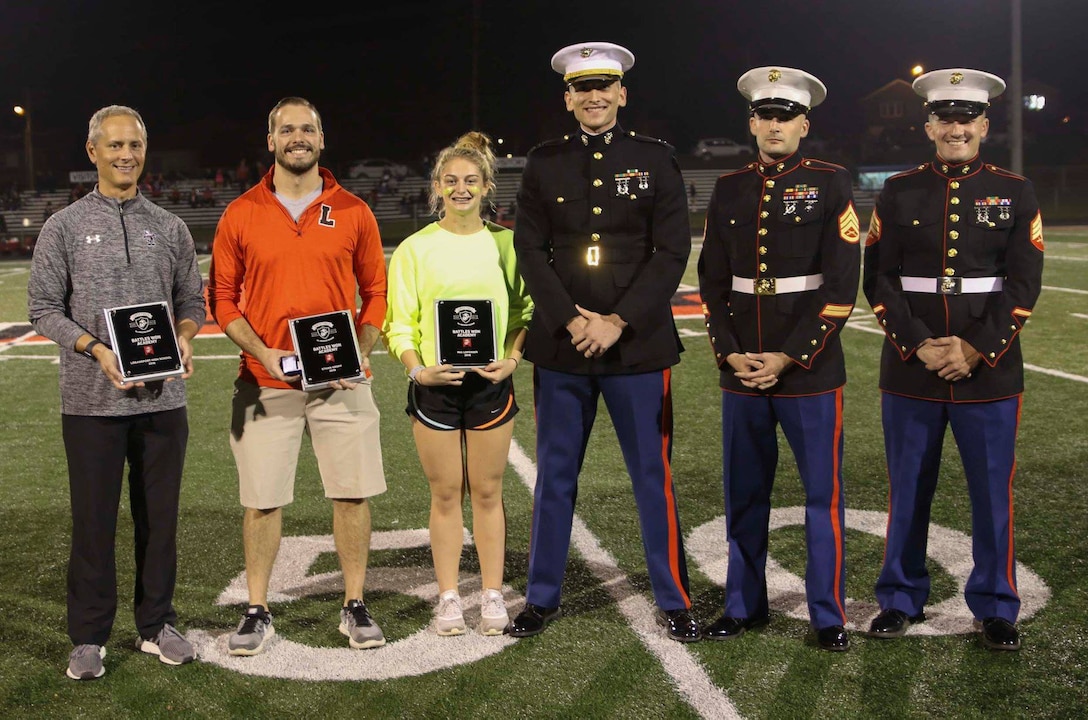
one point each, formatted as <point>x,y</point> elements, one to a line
<point>113,247</point>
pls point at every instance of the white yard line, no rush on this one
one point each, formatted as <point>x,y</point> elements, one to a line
<point>861,324</point>
<point>1053,288</point>
<point>686,672</point>
<point>1055,373</point>
<point>1027,366</point>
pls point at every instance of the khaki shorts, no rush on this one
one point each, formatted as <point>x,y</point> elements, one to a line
<point>266,434</point>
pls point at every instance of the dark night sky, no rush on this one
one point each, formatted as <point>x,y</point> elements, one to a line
<point>394,79</point>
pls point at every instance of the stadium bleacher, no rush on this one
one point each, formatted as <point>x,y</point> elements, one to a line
<point>24,224</point>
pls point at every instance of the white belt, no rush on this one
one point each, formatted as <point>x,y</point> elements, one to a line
<point>952,285</point>
<point>777,286</point>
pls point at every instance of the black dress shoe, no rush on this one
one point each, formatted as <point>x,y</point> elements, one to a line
<point>999,634</point>
<point>833,638</point>
<point>531,620</point>
<point>679,624</point>
<point>893,623</point>
<point>727,628</point>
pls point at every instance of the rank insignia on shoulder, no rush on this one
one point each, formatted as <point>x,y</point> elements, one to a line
<point>1037,231</point>
<point>849,226</point>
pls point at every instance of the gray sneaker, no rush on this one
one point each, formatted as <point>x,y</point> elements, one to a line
<point>170,645</point>
<point>252,633</point>
<point>362,631</point>
<point>85,662</point>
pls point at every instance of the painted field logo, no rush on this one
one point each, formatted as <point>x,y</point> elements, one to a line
<point>950,549</point>
<point>422,652</point>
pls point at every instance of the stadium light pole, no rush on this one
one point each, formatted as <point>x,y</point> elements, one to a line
<point>476,13</point>
<point>28,144</point>
<point>1016,121</point>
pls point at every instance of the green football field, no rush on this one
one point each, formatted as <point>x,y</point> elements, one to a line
<point>605,658</point>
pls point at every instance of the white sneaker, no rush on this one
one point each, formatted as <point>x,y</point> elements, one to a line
<point>493,615</point>
<point>448,617</point>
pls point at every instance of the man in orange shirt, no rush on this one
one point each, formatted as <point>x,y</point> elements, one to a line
<point>300,245</point>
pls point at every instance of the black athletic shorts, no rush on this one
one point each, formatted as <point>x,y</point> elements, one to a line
<point>475,404</point>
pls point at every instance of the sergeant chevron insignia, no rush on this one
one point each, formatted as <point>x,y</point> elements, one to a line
<point>849,226</point>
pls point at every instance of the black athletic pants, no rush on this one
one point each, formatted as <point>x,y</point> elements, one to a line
<point>153,444</point>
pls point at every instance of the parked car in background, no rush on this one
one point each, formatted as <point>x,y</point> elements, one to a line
<point>376,168</point>
<point>708,148</point>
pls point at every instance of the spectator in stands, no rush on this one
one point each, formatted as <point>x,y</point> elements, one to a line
<point>106,420</point>
<point>219,178</point>
<point>461,419</point>
<point>241,175</point>
<point>46,211</point>
<point>8,245</point>
<point>14,199</point>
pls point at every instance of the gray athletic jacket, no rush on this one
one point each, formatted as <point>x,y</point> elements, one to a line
<point>100,253</point>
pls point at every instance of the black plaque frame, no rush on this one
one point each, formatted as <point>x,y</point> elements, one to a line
<point>465,333</point>
<point>144,340</point>
<point>328,348</point>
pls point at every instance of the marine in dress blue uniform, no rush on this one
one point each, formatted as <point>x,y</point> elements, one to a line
<point>953,267</point>
<point>778,275</point>
<point>602,237</point>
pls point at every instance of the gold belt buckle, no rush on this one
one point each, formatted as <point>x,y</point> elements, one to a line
<point>764,286</point>
<point>950,286</point>
<point>593,255</point>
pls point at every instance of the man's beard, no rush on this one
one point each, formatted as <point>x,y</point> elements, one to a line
<point>297,167</point>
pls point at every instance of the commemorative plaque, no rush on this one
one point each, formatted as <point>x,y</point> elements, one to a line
<point>142,337</point>
<point>465,333</point>
<point>327,348</point>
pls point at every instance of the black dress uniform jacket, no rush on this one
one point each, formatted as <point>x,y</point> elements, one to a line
<point>792,218</point>
<point>972,220</point>
<point>602,221</point>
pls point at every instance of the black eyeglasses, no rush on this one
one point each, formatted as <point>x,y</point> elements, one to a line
<point>591,84</point>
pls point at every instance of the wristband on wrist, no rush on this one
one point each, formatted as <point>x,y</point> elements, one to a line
<point>516,363</point>
<point>413,374</point>
<point>89,349</point>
